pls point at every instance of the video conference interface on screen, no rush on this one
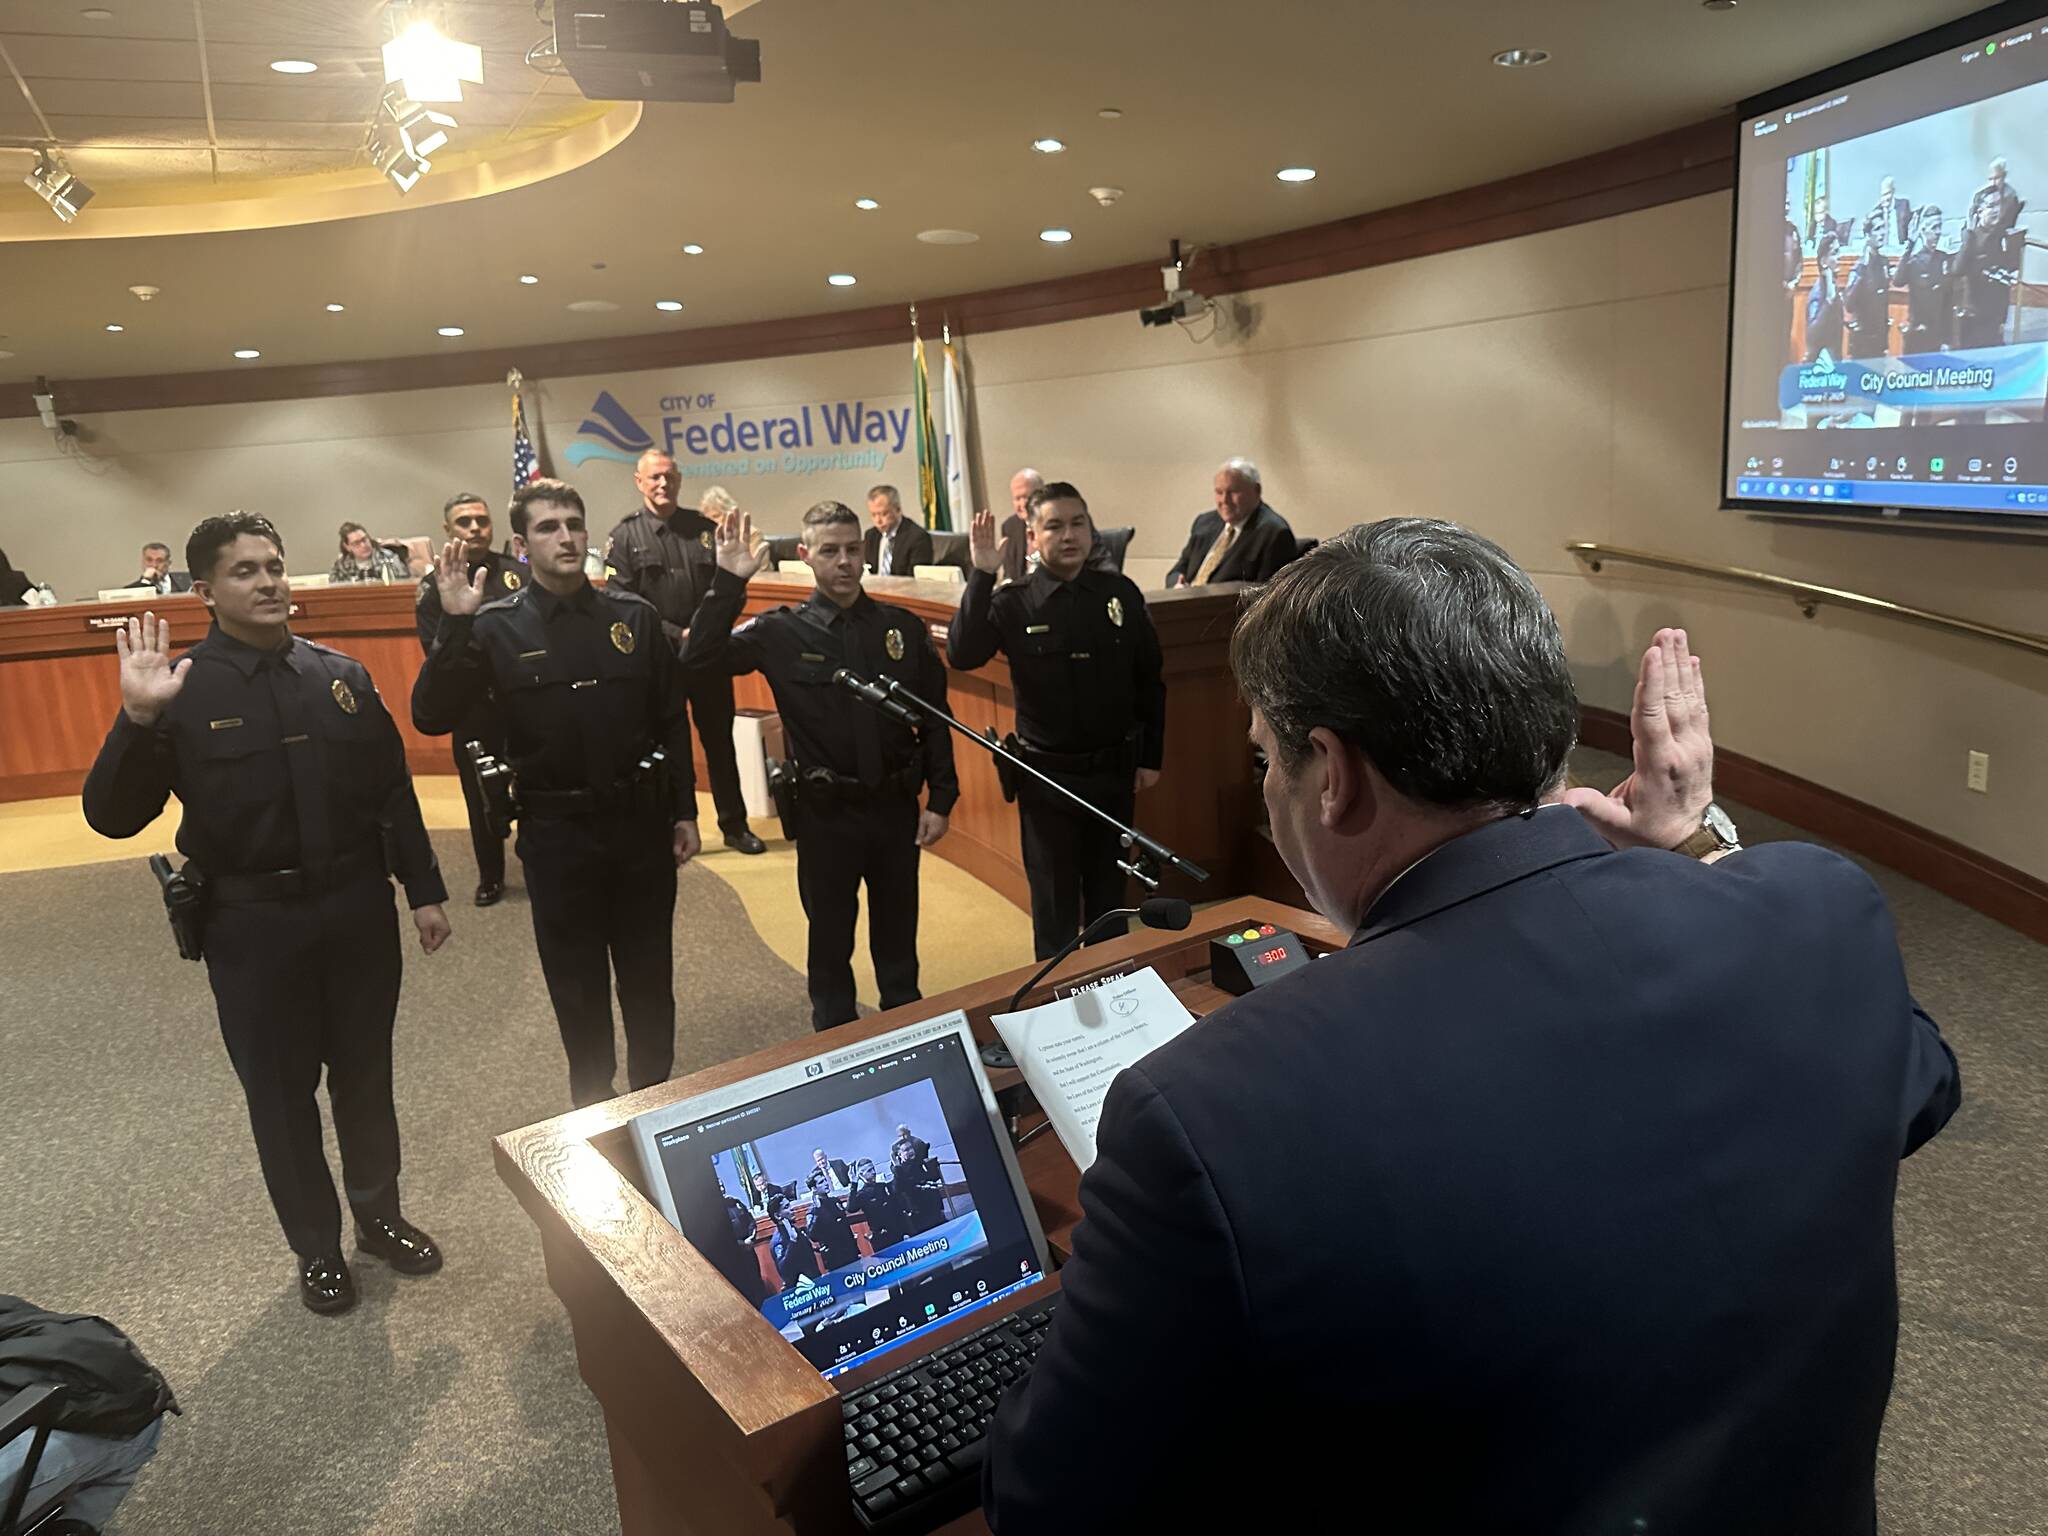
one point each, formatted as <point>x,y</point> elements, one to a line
<point>859,1209</point>
<point>1888,347</point>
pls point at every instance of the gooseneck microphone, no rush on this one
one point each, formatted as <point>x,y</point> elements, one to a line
<point>1154,912</point>
<point>861,688</point>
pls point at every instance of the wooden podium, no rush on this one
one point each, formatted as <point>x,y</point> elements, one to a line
<point>717,1426</point>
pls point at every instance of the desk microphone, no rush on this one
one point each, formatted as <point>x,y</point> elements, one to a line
<point>1153,912</point>
<point>876,695</point>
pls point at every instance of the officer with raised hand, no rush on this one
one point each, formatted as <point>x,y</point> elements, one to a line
<point>588,687</point>
<point>858,770</point>
<point>297,809</point>
<point>1091,702</point>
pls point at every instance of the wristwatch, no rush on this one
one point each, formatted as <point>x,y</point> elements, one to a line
<point>1717,834</point>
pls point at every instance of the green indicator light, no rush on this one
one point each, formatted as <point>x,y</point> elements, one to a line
<point>1991,47</point>
<point>1235,938</point>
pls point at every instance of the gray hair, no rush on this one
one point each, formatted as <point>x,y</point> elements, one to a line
<point>1998,164</point>
<point>895,497</point>
<point>717,502</point>
<point>1029,474</point>
<point>1243,468</point>
<point>1424,646</point>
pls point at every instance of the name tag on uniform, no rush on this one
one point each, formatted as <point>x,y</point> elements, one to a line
<point>1077,655</point>
<point>811,656</point>
<point>585,682</point>
<point>224,725</point>
<point>1037,629</point>
<point>530,655</point>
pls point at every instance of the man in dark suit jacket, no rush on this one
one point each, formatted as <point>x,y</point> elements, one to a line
<point>1013,538</point>
<point>157,573</point>
<point>1258,543</point>
<point>895,544</point>
<point>1610,1138</point>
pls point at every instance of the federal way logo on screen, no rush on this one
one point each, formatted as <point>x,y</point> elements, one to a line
<point>621,437</point>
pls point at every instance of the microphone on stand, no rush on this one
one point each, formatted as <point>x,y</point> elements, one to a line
<point>1154,912</point>
<point>861,688</point>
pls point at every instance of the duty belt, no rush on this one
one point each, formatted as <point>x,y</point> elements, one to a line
<point>282,884</point>
<point>827,785</point>
<point>1123,754</point>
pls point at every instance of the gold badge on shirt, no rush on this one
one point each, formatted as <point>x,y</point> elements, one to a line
<point>622,638</point>
<point>892,642</point>
<point>704,538</point>
<point>344,696</point>
<point>1116,612</point>
<point>512,581</point>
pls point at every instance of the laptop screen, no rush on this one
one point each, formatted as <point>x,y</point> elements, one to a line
<point>859,1198</point>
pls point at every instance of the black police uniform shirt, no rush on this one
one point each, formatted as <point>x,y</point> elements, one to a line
<point>505,576</point>
<point>799,648</point>
<point>670,563</point>
<point>1084,658</point>
<point>584,685</point>
<point>251,740</point>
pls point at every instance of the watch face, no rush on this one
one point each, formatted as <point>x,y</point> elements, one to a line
<point>1718,823</point>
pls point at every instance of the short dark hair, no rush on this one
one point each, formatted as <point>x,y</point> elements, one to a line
<point>1052,490</point>
<point>895,496</point>
<point>826,513</point>
<point>202,550</point>
<point>1424,646</point>
<point>553,493</point>
<point>461,499</point>
<point>156,544</point>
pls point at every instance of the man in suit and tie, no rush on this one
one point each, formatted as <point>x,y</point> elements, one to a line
<point>1242,540</point>
<point>895,544</point>
<point>157,573</point>
<point>1014,537</point>
<point>1620,1132</point>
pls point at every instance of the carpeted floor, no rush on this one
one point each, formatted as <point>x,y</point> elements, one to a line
<point>452,1404</point>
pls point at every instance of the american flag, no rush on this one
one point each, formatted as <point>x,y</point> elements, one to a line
<point>525,462</point>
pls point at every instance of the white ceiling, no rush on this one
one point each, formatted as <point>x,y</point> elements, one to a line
<point>929,106</point>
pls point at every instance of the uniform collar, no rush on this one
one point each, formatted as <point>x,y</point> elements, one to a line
<point>826,611</point>
<point>1482,860</point>
<point>684,522</point>
<point>247,658</point>
<point>582,600</point>
<point>1043,584</point>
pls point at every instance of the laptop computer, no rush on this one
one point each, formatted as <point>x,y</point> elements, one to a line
<point>868,1201</point>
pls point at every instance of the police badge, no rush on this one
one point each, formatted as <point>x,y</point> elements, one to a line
<point>1116,612</point>
<point>512,581</point>
<point>622,638</point>
<point>344,696</point>
<point>704,538</point>
<point>893,644</point>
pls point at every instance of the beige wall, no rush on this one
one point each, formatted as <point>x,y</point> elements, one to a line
<point>1561,386</point>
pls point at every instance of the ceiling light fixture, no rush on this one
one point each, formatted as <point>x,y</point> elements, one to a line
<point>1048,146</point>
<point>1296,173</point>
<point>1109,114</point>
<point>117,328</point>
<point>590,306</point>
<point>693,249</point>
<point>95,13</point>
<point>669,305</point>
<point>246,353</point>
<point>528,278</point>
<point>64,192</point>
<point>866,204</point>
<point>841,279</point>
<point>448,330</point>
<point>947,236</point>
<point>1107,196</point>
<point>335,309</point>
<point>144,291</point>
<point>1718,5</point>
<point>405,138</point>
<point>1521,58</point>
<point>1055,236</point>
<point>432,67</point>
<point>294,66</point>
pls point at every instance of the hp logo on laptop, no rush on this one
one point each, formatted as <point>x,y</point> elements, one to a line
<point>814,1069</point>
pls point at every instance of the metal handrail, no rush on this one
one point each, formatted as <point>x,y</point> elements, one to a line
<point>1807,595</point>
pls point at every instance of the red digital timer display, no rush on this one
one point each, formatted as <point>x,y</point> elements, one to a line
<point>1272,956</point>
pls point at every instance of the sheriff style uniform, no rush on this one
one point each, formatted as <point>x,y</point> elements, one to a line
<point>670,562</point>
<point>1091,709</point>
<point>503,577</point>
<point>297,808</point>
<point>585,686</point>
<point>860,772</point>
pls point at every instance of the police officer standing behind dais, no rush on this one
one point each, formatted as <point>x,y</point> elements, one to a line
<point>296,803</point>
<point>587,688</point>
<point>858,770</point>
<point>1091,703</point>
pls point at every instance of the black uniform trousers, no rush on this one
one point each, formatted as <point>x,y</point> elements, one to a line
<point>1070,859</point>
<point>840,843</point>
<point>302,983</point>
<point>603,892</point>
<point>711,711</point>
<point>490,848</point>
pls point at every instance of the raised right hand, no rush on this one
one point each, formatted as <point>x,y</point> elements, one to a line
<point>982,548</point>
<point>148,680</point>
<point>460,592</point>
<point>736,551</point>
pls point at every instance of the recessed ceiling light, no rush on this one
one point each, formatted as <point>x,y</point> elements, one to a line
<point>1520,58</point>
<point>1048,146</point>
<point>841,279</point>
<point>866,204</point>
<point>528,278</point>
<point>448,330</point>
<point>671,305</point>
<point>335,309</point>
<point>1110,114</point>
<point>591,306</point>
<point>1055,236</point>
<point>1718,5</point>
<point>4,356</point>
<point>693,249</point>
<point>96,13</point>
<point>947,236</point>
<point>1297,173</point>
<point>245,353</point>
<point>294,66</point>
<point>117,327</point>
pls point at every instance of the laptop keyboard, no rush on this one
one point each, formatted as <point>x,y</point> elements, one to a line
<point>916,1439</point>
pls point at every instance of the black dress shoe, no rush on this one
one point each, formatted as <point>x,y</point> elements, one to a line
<point>325,1285</point>
<point>400,1244</point>
<point>744,840</point>
<point>490,893</point>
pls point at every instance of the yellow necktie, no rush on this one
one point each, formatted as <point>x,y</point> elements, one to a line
<point>1215,556</point>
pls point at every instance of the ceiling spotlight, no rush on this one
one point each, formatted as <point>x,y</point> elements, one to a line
<point>245,353</point>
<point>528,278</point>
<point>1055,236</point>
<point>947,236</point>
<point>1110,114</point>
<point>1718,5</point>
<point>1106,196</point>
<point>1048,146</point>
<point>841,279</point>
<point>693,249</point>
<point>294,66</point>
<point>1297,173</point>
<point>405,138</point>
<point>1520,58</point>
<point>866,204</point>
<point>431,66</point>
<point>335,309</point>
<point>117,327</point>
<point>670,305</point>
<point>448,330</point>
<point>145,291</point>
<point>64,192</point>
<point>95,13</point>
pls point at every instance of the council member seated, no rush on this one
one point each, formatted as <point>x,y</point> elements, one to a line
<point>1242,540</point>
<point>157,574</point>
<point>896,545</point>
<point>1014,537</point>
<point>1614,1135</point>
<point>365,559</point>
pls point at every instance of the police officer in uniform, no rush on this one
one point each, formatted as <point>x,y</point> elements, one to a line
<point>297,809</point>
<point>467,518</point>
<point>858,770</point>
<point>587,686</point>
<point>1091,703</point>
<point>663,552</point>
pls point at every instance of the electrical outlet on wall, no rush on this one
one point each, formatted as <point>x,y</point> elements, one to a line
<point>1980,773</point>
